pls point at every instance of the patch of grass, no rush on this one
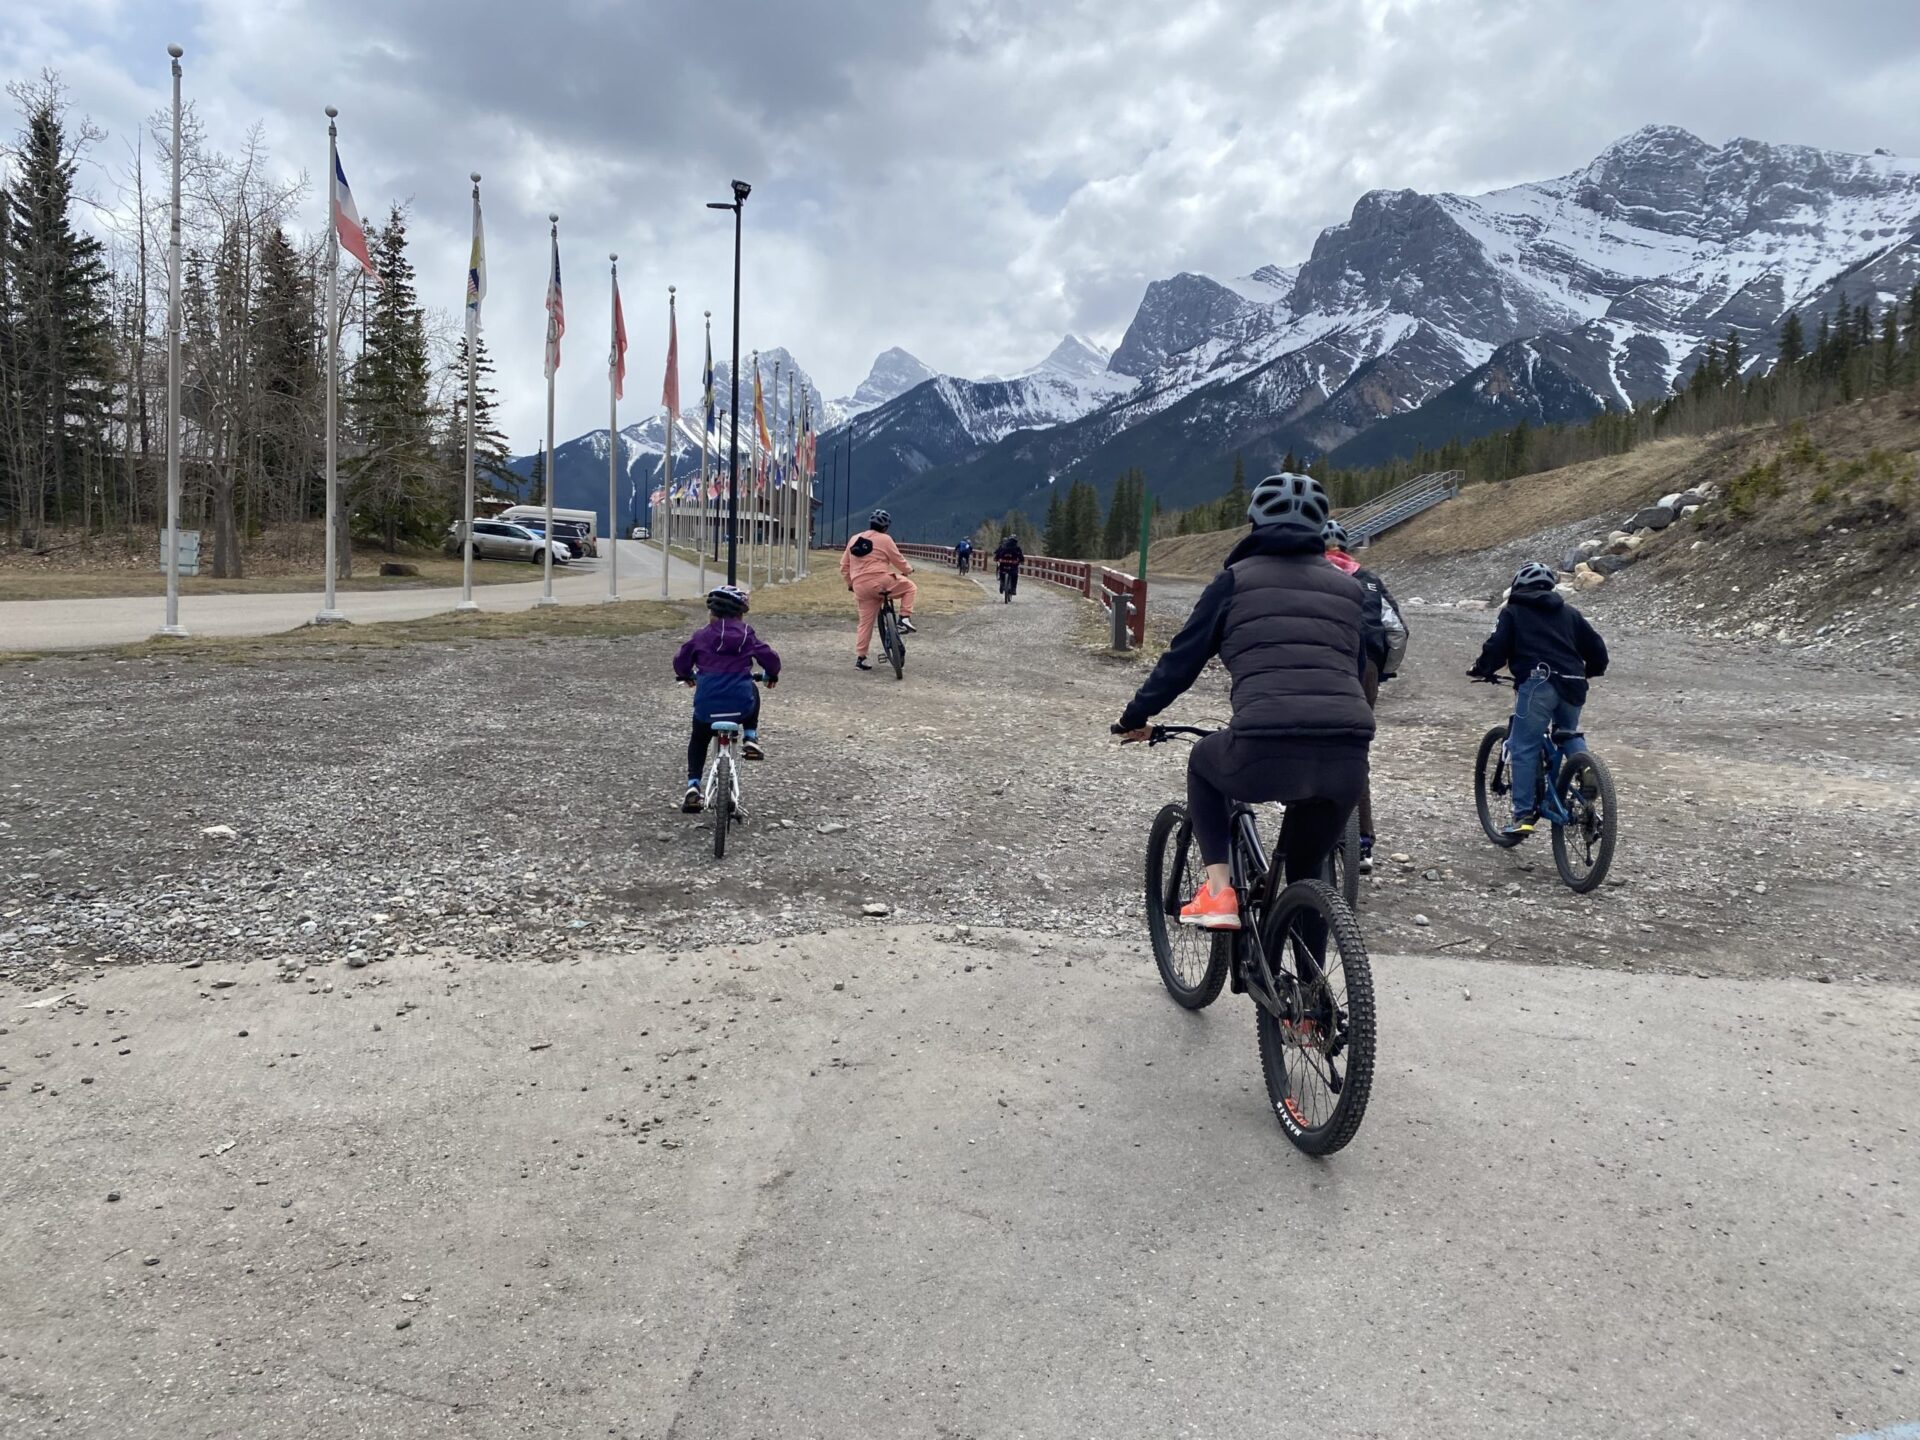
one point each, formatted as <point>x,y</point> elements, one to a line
<point>27,579</point>
<point>348,642</point>
<point>824,593</point>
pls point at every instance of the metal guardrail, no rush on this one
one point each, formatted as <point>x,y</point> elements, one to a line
<point>1368,522</point>
<point>1095,582</point>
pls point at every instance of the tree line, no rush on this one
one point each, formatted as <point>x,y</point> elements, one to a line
<point>84,350</point>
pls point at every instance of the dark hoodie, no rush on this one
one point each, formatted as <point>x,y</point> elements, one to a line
<point>1542,629</point>
<point>1288,627</point>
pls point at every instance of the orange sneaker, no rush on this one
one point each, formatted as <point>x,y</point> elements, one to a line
<point>1212,909</point>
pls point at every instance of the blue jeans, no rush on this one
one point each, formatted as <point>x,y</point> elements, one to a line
<point>1536,705</point>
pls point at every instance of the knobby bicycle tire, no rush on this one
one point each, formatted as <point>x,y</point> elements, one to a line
<point>1318,903</point>
<point>1596,781</point>
<point>721,802</point>
<point>893,644</point>
<point>1170,847</point>
<point>1490,769</point>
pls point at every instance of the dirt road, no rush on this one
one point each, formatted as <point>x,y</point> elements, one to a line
<point>657,1146</point>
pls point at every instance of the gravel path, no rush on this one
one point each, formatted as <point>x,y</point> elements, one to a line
<point>516,801</point>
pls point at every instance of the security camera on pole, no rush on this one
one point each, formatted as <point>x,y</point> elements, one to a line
<point>173,625</point>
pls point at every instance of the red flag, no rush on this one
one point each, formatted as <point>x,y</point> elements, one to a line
<point>670,392</point>
<point>619,365</point>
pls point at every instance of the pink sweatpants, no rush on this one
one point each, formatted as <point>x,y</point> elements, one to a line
<point>868,591</point>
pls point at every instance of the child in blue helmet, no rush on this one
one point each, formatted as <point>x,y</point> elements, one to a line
<point>717,661</point>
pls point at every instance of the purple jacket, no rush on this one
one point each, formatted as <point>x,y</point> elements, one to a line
<point>724,653</point>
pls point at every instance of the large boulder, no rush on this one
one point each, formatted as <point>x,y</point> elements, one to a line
<point>1609,564</point>
<point>1591,547</point>
<point>1585,577</point>
<point>398,567</point>
<point>1654,517</point>
<point>1687,499</point>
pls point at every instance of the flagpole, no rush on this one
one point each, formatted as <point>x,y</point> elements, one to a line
<point>613,437</point>
<point>759,480</point>
<point>793,483</point>
<point>329,613</point>
<point>706,443</point>
<point>173,626</point>
<point>467,602</point>
<point>673,387</point>
<point>553,367</point>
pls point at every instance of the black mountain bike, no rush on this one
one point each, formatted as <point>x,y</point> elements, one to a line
<point>1009,582</point>
<point>891,640</point>
<point>1298,953</point>
<point>1575,794</point>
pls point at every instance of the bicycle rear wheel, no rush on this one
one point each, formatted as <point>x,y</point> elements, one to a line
<point>720,801</point>
<point>893,643</point>
<point>1492,784</point>
<point>1193,962</point>
<point>1583,848</point>
<point>1318,1057</point>
<point>1343,862</point>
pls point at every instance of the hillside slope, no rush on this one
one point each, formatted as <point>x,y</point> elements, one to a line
<point>1815,540</point>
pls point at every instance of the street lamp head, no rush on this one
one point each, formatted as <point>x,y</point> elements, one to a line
<point>332,114</point>
<point>553,217</point>
<point>476,177</point>
<point>741,190</point>
<point>175,51</point>
<point>719,205</point>
<point>614,258</point>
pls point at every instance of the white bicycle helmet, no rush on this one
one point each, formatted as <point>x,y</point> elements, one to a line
<point>1296,501</point>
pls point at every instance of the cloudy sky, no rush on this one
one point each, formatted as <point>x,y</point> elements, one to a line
<point>968,178</point>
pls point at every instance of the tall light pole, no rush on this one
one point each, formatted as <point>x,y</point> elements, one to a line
<point>740,192</point>
<point>173,625</point>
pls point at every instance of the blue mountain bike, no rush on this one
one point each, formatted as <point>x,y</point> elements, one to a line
<point>1576,798</point>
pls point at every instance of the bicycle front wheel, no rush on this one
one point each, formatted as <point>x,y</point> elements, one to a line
<point>720,802</point>
<point>1583,847</point>
<point>1193,962</point>
<point>1317,1055</point>
<point>1492,784</point>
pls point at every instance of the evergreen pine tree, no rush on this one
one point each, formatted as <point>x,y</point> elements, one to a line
<point>58,332</point>
<point>492,475</point>
<point>399,482</point>
<point>1731,360</point>
<point>1083,508</point>
<point>1056,538</point>
<point>1290,463</point>
<point>537,481</point>
<point>1230,512</point>
<point>286,350</point>
<point>1887,367</point>
<point>1793,342</point>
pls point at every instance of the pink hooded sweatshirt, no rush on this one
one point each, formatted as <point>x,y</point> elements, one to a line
<point>1342,561</point>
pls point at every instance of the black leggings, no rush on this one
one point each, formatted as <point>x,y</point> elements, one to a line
<point>1370,683</point>
<point>1010,576</point>
<point>703,733</point>
<point>1318,781</point>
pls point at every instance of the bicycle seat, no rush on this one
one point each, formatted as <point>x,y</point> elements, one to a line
<point>725,727</point>
<point>1560,737</point>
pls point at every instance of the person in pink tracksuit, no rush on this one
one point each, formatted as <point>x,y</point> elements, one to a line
<point>872,565</point>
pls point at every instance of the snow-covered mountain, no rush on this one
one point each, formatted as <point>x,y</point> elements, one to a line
<point>894,373</point>
<point>1549,300</point>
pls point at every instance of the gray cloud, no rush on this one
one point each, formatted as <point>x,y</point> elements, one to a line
<point>964,179</point>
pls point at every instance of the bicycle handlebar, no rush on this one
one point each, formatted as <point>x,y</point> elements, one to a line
<point>1160,734</point>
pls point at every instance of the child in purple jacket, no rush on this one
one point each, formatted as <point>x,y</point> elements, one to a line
<point>722,654</point>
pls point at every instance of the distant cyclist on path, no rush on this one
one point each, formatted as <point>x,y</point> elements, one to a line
<point>963,556</point>
<point>873,566</point>
<point>1008,558</point>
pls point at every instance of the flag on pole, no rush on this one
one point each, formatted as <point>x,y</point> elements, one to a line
<point>347,223</point>
<point>556,313</point>
<point>476,266</point>
<point>760,424</point>
<point>706,388</point>
<point>670,391</point>
<point>618,361</point>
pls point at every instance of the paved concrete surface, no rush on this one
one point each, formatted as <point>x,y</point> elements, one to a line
<point>997,1185</point>
<point>80,624</point>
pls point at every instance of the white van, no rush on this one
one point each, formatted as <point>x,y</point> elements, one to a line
<point>575,527</point>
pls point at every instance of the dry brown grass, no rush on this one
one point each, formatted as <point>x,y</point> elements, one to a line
<point>349,642</point>
<point>824,593</point>
<point>28,577</point>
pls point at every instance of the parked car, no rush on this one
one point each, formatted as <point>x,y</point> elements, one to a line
<point>641,532</point>
<point>497,540</point>
<point>539,527</point>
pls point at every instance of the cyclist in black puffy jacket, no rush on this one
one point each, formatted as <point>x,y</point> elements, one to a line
<point>1008,558</point>
<point>1551,652</point>
<point>1289,629</point>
